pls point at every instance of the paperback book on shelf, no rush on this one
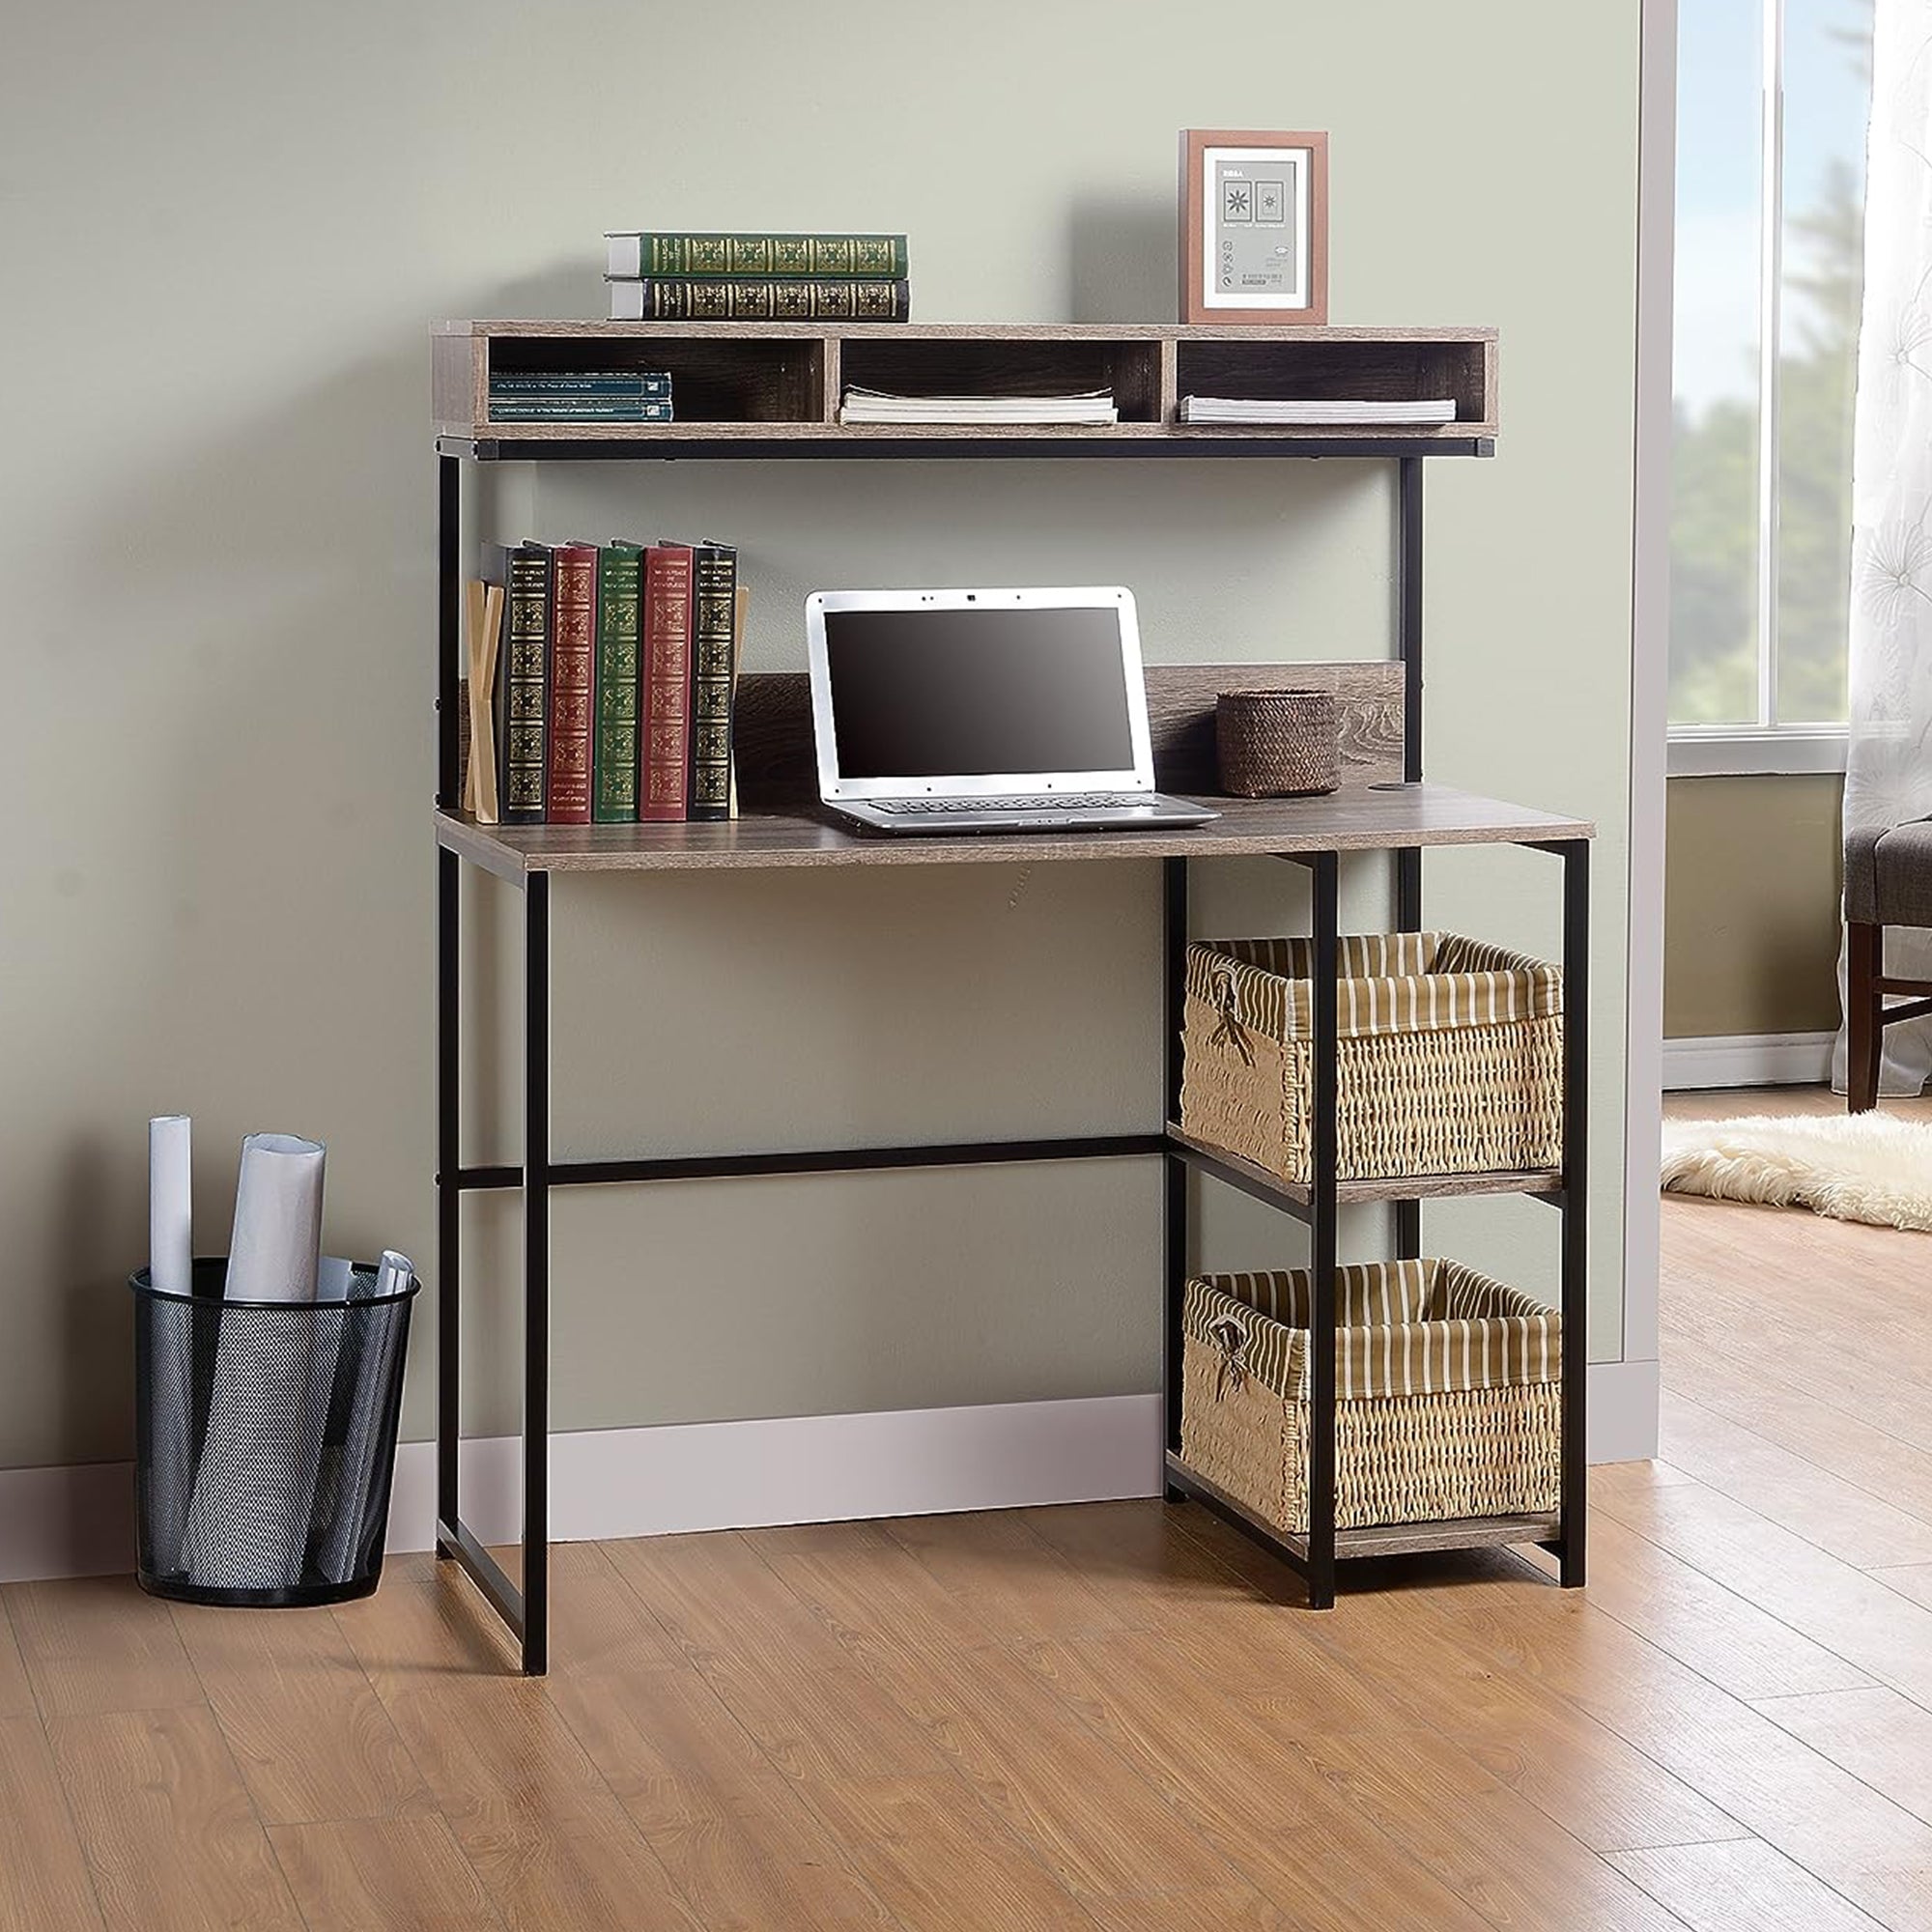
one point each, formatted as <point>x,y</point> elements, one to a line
<point>877,406</point>
<point>1313,412</point>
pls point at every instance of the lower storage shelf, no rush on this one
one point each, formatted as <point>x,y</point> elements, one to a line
<point>1448,1394</point>
<point>1404,1539</point>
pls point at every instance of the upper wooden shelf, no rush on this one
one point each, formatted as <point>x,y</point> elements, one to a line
<point>764,389</point>
<point>1368,819</point>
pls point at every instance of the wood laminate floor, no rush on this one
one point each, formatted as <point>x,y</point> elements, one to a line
<point>1107,1717</point>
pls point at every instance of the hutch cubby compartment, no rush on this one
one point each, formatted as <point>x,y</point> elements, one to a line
<point>1387,369</point>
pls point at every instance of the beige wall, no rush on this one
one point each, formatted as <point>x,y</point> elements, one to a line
<point>226,230</point>
<point>1753,872</point>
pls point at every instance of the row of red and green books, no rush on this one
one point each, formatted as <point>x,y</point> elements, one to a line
<point>615,679</point>
<point>687,276</point>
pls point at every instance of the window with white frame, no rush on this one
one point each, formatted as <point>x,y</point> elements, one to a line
<point>1772,97</point>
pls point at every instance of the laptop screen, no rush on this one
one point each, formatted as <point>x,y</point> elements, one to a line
<point>961,693</point>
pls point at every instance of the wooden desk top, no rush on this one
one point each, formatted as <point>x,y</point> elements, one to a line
<point>1361,819</point>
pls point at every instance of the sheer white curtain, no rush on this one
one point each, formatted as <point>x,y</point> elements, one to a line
<point>1889,775</point>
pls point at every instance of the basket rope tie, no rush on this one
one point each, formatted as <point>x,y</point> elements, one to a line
<point>1231,1031</point>
<point>1232,1338</point>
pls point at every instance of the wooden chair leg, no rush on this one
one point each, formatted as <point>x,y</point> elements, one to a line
<point>1865,949</point>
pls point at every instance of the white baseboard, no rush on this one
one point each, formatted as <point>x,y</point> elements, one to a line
<point>78,1521</point>
<point>1623,1412</point>
<point>1747,1060</point>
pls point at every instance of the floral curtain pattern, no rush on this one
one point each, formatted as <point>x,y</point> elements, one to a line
<point>1889,767</point>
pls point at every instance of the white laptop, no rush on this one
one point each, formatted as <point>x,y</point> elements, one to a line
<point>944,711</point>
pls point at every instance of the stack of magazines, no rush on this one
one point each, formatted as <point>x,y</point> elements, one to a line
<point>1309,410</point>
<point>877,406</point>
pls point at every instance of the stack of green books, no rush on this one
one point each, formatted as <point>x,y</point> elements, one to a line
<point>691,277</point>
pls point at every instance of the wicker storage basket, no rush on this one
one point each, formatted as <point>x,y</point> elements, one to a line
<point>1449,1055</point>
<point>1277,744</point>
<point>1448,1394</point>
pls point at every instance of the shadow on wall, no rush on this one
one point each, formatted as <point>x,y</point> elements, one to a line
<point>1122,255</point>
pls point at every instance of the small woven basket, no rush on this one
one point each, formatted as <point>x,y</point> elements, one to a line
<point>1448,1394</point>
<point>1277,744</point>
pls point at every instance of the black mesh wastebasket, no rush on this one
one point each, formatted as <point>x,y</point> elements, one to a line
<point>265,1440</point>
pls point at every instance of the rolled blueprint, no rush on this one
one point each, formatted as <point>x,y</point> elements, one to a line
<point>277,1239</point>
<point>170,1331</point>
<point>275,1369</point>
<point>170,1206</point>
<point>369,1361</point>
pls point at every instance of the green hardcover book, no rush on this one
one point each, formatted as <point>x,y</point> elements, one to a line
<point>714,579</point>
<point>613,746</point>
<point>633,255</point>
<point>522,689</point>
<point>761,299</point>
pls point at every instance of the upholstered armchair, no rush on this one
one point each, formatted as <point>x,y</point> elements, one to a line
<point>1887,882</point>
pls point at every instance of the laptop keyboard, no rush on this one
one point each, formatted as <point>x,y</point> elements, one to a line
<point>1059,801</point>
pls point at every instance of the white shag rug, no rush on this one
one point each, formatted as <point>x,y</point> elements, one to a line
<point>1854,1167</point>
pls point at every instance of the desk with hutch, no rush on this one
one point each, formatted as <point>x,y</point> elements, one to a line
<point>770,391</point>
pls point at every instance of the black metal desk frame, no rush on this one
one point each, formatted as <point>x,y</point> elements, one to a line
<point>525,1608</point>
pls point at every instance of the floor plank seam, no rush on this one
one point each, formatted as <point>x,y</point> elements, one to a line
<point>696,1905</point>
<point>1036,1853</point>
<point>87,1858</point>
<point>483,1886</point>
<point>1718,1582</point>
<point>242,1779</point>
<point>1423,1716</point>
<point>799,1787</point>
<point>1728,1487</point>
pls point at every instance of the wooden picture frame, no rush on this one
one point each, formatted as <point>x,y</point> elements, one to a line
<point>1221,282</point>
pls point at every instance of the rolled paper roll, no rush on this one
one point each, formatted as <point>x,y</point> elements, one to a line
<point>171,1337</point>
<point>277,1240</point>
<point>170,1205</point>
<point>274,1370</point>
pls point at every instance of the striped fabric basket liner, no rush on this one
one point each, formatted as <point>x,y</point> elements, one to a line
<point>1448,1394</point>
<point>1449,1055</point>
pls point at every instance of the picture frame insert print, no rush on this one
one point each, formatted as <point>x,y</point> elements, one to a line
<point>1254,227</point>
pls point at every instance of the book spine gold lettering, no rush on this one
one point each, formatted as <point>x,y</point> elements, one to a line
<point>522,752</point>
<point>571,651</point>
<point>613,752</point>
<point>715,583</point>
<point>882,257</point>
<point>666,682</point>
<point>772,298</point>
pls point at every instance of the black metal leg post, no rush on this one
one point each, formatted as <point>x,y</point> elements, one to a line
<point>1409,647</point>
<point>448,1004</point>
<point>536,1275</point>
<point>1322,1244</point>
<point>1173,1209</point>
<point>448,1192</point>
<point>1576,853</point>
